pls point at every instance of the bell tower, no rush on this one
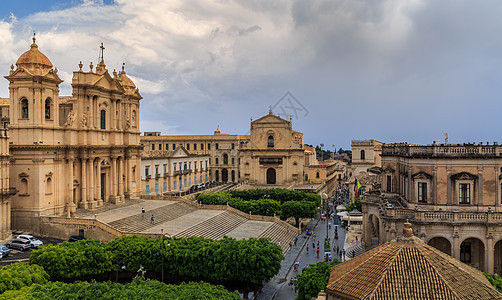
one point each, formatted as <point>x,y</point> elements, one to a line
<point>34,96</point>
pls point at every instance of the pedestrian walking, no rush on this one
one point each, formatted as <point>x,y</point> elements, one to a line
<point>291,282</point>
<point>317,252</point>
<point>313,245</point>
<point>296,240</point>
<point>143,212</point>
<point>329,225</point>
<point>152,220</point>
<point>356,239</point>
<point>353,253</point>
<point>343,254</point>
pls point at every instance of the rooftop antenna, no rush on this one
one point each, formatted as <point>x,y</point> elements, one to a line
<point>101,53</point>
<point>445,138</point>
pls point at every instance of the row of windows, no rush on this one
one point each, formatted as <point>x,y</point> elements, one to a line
<point>225,160</point>
<point>48,102</point>
<point>187,146</point>
<point>178,166</point>
<point>176,184</point>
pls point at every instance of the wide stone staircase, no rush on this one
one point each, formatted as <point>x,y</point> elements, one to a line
<point>140,222</point>
<point>215,227</point>
<point>356,250</point>
<point>278,233</point>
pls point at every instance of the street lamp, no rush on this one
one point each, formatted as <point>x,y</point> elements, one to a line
<point>120,261</point>
<point>162,253</point>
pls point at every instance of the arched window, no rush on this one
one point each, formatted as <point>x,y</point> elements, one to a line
<point>363,154</point>
<point>270,141</point>
<point>217,175</point>
<point>225,159</point>
<point>103,119</point>
<point>24,109</point>
<point>47,109</point>
<point>317,175</point>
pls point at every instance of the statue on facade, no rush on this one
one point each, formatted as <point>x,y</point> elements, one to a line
<point>70,118</point>
<point>83,122</point>
<point>128,123</point>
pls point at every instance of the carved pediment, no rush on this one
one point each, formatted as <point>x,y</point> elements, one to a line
<point>464,176</point>
<point>105,162</point>
<point>48,174</point>
<point>422,175</point>
<point>24,175</point>
<point>388,170</point>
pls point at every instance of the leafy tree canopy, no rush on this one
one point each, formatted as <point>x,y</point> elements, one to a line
<point>314,279</point>
<point>138,289</point>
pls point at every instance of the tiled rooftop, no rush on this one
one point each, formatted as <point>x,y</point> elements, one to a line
<point>408,268</point>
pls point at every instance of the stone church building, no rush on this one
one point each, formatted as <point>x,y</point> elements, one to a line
<point>67,152</point>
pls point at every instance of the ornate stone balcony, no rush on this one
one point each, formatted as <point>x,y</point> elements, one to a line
<point>441,150</point>
<point>8,191</point>
<point>397,209</point>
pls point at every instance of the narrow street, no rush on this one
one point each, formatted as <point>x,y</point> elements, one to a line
<point>282,291</point>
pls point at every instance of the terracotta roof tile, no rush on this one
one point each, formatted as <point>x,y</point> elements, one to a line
<point>408,269</point>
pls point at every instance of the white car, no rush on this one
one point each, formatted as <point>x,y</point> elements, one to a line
<point>35,243</point>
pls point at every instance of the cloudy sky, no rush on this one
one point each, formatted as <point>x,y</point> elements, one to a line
<point>391,70</point>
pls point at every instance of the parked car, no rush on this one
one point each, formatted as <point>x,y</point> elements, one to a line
<point>35,243</point>
<point>4,250</point>
<point>75,238</point>
<point>19,244</point>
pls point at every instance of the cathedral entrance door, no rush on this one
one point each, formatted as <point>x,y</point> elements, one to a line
<point>224,175</point>
<point>103,179</point>
<point>270,176</point>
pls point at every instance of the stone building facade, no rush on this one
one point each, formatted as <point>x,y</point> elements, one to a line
<point>75,151</point>
<point>365,154</point>
<point>274,153</point>
<point>272,147</point>
<point>452,195</point>
<point>177,171</point>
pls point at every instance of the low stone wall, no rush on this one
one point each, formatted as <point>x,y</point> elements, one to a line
<point>63,228</point>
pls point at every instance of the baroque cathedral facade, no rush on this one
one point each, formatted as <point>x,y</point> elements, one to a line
<point>66,152</point>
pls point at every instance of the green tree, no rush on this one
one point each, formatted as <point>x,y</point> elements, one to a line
<point>495,280</point>
<point>18,275</point>
<point>73,260</point>
<point>355,204</point>
<point>138,289</point>
<point>298,209</point>
<point>314,279</point>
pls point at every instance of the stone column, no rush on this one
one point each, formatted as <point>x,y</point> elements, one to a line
<point>98,182</point>
<point>480,186</point>
<point>127,173</point>
<point>91,180</point>
<point>489,255</point>
<point>434,185</point>
<point>456,243</point>
<point>410,189</point>
<point>497,186</point>
<point>114,176</point>
<point>83,186</point>
<point>121,177</point>
<point>448,187</point>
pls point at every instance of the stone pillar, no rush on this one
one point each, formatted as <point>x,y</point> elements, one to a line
<point>127,173</point>
<point>114,176</point>
<point>121,176</point>
<point>497,187</point>
<point>92,184</point>
<point>98,183</point>
<point>434,185</point>
<point>448,187</point>
<point>480,186</point>
<point>410,189</point>
<point>83,186</point>
<point>113,117</point>
<point>489,255</point>
<point>456,244</point>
